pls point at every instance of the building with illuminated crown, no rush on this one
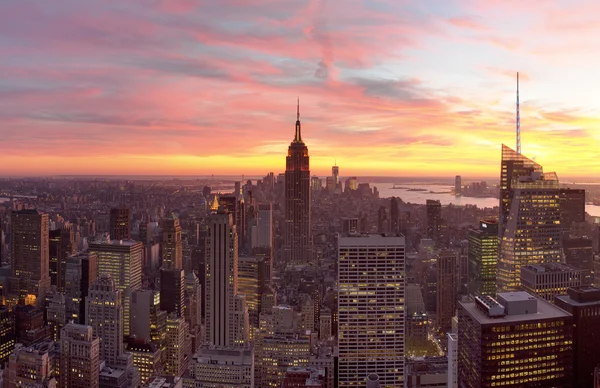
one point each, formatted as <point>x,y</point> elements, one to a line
<point>516,340</point>
<point>371,282</point>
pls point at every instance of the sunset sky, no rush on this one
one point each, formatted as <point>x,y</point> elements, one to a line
<point>386,87</point>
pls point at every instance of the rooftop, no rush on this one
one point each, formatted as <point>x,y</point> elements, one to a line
<point>581,296</point>
<point>549,268</point>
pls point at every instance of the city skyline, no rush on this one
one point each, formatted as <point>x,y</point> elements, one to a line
<point>386,88</point>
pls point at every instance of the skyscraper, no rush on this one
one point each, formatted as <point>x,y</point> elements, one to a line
<point>434,219</point>
<point>81,270</point>
<point>61,246</point>
<point>458,185</point>
<point>371,304</point>
<point>171,247</point>
<point>226,311</point>
<point>483,257</point>
<point>172,285</point>
<point>119,224</point>
<point>394,215</point>
<point>177,332</point>
<point>7,334</point>
<point>447,289</point>
<point>104,313</point>
<point>297,232</point>
<point>572,207</point>
<point>122,259</point>
<point>265,225</point>
<point>532,232</point>
<point>79,357</point>
<point>30,260</point>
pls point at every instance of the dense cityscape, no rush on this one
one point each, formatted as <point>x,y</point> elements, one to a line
<point>295,280</point>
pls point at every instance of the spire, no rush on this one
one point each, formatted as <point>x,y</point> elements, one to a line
<point>215,204</point>
<point>298,137</point>
<point>518,119</point>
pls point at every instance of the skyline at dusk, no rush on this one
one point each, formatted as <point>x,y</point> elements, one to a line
<point>386,88</point>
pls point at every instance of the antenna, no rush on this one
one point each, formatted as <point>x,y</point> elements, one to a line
<point>518,120</point>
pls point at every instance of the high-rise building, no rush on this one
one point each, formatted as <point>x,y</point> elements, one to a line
<point>584,304</point>
<point>394,215</point>
<point>458,185</point>
<point>371,282</point>
<point>171,246</point>
<point>304,377</point>
<point>572,207</point>
<point>515,341</point>
<point>79,357</point>
<point>172,286</point>
<point>30,260</point>
<point>222,367</point>
<point>548,280</point>
<point>7,334</point>
<point>579,253</point>
<point>265,225</point>
<point>61,246</point>
<point>382,220</point>
<point>452,360</point>
<point>425,372</point>
<point>447,289</point>
<point>297,231</point>
<point>147,357</point>
<point>483,257</point>
<point>119,224</point>
<point>251,283</point>
<point>335,174</point>
<point>193,309</point>
<point>31,367</point>
<point>81,271</point>
<point>237,208</point>
<point>177,332</point>
<point>513,166</point>
<point>434,220</point>
<point>148,321</point>
<point>226,312</point>
<point>122,259</point>
<point>350,225</point>
<point>532,232</point>
<point>104,313</point>
<point>275,354</point>
<point>30,327</point>
<point>56,315</point>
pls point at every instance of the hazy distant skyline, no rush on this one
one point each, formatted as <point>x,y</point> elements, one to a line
<point>388,87</point>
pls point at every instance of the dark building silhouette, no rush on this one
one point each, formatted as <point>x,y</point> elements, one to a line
<point>7,334</point>
<point>572,207</point>
<point>297,232</point>
<point>394,216</point>
<point>119,224</point>
<point>171,245</point>
<point>584,304</point>
<point>434,219</point>
<point>172,291</point>
<point>382,220</point>
<point>483,257</point>
<point>237,208</point>
<point>81,271</point>
<point>447,289</point>
<point>579,253</point>
<point>350,225</point>
<point>515,340</point>
<point>29,325</point>
<point>61,246</point>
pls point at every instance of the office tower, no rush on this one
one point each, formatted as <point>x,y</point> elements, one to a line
<point>172,285</point>
<point>426,372</point>
<point>147,357</point>
<point>394,216</point>
<point>349,225</point>
<point>275,353</point>
<point>447,289</point>
<point>483,257</point>
<point>119,224</point>
<point>231,367</point>
<point>572,207</point>
<point>80,272</point>
<point>7,334</point>
<point>56,315</point>
<point>417,319</point>
<point>265,225</point>
<point>513,166</point>
<point>30,254</point>
<point>580,254</point>
<point>458,185</point>
<point>177,332</point>
<point>584,304</point>
<point>148,321</point>
<point>537,340</point>
<point>79,357</point>
<point>452,360</point>
<point>122,260</point>
<point>434,219</point>
<point>61,246</point>
<point>316,184</point>
<point>236,207</point>
<point>171,247</point>
<point>226,312</point>
<point>382,220</point>
<point>251,284</point>
<point>532,234</point>
<point>144,232</point>
<point>31,367</point>
<point>104,313</point>
<point>325,322</point>
<point>29,325</point>
<point>297,232</point>
<point>335,174</point>
<point>193,308</point>
<point>371,268</point>
<point>547,280</point>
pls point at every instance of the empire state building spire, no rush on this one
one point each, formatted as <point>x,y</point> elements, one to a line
<point>298,137</point>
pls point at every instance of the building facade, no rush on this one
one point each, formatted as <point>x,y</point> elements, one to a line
<point>483,257</point>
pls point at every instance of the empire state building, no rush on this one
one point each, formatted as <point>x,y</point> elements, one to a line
<point>298,237</point>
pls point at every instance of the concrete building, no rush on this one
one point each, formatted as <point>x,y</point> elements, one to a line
<point>221,367</point>
<point>371,290</point>
<point>120,228</point>
<point>147,357</point>
<point>452,360</point>
<point>148,321</point>
<point>81,270</point>
<point>447,289</point>
<point>7,334</point>
<point>171,244</point>
<point>172,291</point>
<point>514,341</point>
<point>122,260</point>
<point>32,367</point>
<point>304,377</point>
<point>549,280</point>
<point>79,357</point>
<point>426,372</point>
<point>175,354</point>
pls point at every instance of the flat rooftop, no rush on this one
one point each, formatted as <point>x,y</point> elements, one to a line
<point>549,267</point>
<point>545,310</point>
<point>381,239</point>
<point>588,296</point>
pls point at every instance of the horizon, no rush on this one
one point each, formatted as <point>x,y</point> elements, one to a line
<point>180,86</point>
